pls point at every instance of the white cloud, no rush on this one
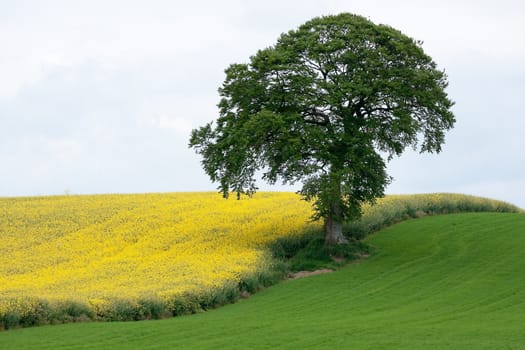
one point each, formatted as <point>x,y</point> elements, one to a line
<point>116,34</point>
<point>178,124</point>
<point>66,150</point>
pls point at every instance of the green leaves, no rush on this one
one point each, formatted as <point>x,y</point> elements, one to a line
<point>319,106</point>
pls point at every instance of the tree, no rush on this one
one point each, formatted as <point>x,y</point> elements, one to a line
<point>328,105</point>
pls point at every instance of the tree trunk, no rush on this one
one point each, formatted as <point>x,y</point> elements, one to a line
<point>333,221</point>
<point>334,232</point>
<point>333,225</point>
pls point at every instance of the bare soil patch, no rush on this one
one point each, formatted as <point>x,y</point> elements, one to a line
<point>302,274</point>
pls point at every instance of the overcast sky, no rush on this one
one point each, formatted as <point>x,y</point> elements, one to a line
<point>99,96</point>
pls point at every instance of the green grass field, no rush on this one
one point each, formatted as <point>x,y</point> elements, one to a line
<point>440,282</point>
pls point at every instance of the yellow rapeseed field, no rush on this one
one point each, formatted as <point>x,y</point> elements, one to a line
<point>96,248</point>
<point>138,256</point>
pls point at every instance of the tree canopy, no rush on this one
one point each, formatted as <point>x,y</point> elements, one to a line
<point>328,105</point>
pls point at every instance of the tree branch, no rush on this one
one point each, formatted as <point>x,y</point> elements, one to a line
<point>319,118</point>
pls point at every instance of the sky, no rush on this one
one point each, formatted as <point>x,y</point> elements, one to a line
<point>100,96</point>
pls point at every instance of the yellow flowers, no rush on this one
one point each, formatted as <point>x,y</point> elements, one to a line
<point>91,249</point>
<point>123,257</point>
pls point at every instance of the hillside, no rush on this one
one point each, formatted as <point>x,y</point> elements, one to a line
<point>121,257</point>
<point>440,282</point>
<point>133,257</point>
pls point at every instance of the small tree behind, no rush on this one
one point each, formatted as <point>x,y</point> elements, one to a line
<point>327,106</point>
